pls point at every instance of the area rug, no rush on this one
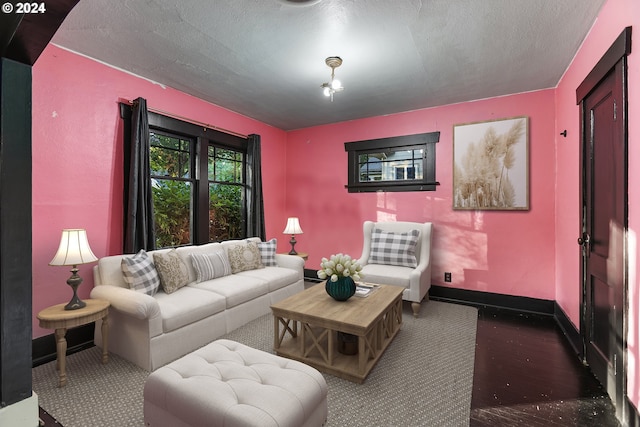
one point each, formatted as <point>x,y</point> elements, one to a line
<point>424,378</point>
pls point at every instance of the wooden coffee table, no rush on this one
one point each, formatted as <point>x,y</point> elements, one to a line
<point>306,327</point>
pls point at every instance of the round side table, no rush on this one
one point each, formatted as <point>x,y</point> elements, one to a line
<point>303,255</point>
<point>56,317</point>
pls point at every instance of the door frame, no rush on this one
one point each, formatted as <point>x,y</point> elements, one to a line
<point>618,51</point>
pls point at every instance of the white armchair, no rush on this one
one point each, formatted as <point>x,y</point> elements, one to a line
<point>387,258</point>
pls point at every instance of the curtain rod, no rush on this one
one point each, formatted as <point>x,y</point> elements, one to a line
<point>195,122</point>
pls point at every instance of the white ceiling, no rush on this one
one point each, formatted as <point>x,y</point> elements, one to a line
<point>265,58</point>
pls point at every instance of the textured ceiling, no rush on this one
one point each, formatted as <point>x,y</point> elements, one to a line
<point>266,58</point>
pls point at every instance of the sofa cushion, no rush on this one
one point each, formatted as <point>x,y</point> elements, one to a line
<point>268,252</point>
<point>211,265</point>
<point>391,248</point>
<point>172,270</point>
<point>244,256</point>
<point>187,305</point>
<point>234,288</point>
<point>387,274</point>
<point>276,277</point>
<point>140,273</point>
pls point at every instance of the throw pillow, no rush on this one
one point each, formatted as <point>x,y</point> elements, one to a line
<point>210,265</point>
<point>172,270</point>
<point>140,273</point>
<point>390,248</point>
<point>245,256</point>
<point>268,252</point>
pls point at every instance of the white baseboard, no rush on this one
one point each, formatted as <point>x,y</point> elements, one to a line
<point>23,413</point>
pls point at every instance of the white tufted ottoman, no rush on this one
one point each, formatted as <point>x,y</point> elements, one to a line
<point>230,384</point>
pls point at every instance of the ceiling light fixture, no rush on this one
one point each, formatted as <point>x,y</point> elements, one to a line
<point>334,85</point>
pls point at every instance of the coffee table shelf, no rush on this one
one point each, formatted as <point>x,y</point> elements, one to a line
<point>306,327</point>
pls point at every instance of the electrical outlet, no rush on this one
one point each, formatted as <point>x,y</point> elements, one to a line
<point>447,277</point>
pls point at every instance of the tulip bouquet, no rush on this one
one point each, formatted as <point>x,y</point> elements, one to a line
<point>340,265</point>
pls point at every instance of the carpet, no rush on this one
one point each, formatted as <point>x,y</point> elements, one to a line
<point>424,378</point>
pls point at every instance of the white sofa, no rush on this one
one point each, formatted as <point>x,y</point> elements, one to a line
<point>152,331</point>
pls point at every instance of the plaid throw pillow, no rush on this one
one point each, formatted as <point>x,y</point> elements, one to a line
<point>210,266</point>
<point>140,273</point>
<point>268,252</point>
<point>390,248</point>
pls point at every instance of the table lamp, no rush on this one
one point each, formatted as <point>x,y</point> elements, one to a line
<point>74,250</point>
<point>293,228</point>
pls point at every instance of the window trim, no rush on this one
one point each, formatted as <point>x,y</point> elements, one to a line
<point>426,141</point>
<point>203,137</point>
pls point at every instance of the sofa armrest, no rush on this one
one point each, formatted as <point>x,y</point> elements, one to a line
<point>293,262</point>
<point>133,303</point>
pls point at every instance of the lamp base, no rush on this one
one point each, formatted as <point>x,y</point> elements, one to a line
<point>74,281</point>
<point>75,303</point>
<point>293,244</point>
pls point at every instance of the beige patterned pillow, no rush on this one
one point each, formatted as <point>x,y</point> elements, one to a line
<point>245,256</point>
<point>172,270</point>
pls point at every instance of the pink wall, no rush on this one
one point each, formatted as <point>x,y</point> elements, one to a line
<point>77,179</point>
<point>311,165</point>
<point>77,160</point>
<point>614,17</point>
<point>496,251</point>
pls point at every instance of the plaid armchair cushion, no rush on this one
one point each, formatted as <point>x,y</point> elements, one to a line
<point>390,248</point>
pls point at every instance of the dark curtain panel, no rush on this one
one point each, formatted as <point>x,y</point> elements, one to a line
<point>138,209</point>
<point>255,203</point>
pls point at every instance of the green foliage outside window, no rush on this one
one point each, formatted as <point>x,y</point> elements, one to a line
<point>169,156</point>
<point>225,168</point>
<point>225,203</point>
<point>173,191</point>
<point>172,209</point>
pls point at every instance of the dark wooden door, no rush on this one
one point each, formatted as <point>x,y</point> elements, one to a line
<point>604,225</point>
<point>604,230</point>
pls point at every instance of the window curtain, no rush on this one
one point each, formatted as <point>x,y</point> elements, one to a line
<point>255,203</point>
<point>138,209</point>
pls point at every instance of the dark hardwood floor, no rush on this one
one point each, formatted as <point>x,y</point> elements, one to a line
<point>526,374</point>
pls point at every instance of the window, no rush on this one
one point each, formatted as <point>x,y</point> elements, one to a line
<point>198,178</point>
<point>226,193</point>
<point>404,163</point>
<point>172,182</point>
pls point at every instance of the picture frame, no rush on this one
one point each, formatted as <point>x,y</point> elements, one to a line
<point>491,165</point>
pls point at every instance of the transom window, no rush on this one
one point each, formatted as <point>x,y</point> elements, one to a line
<point>391,165</point>
<point>405,163</point>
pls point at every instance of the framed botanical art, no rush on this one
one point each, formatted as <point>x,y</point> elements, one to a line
<point>491,165</point>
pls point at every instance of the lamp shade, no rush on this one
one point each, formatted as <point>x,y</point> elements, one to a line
<point>74,249</point>
<point>293,226</point>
